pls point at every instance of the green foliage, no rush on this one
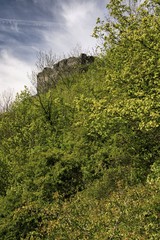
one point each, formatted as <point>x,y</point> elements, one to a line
<point>4,176</point>
<point>81,161</point>
<point>154,176</point>
<point>130,213</point>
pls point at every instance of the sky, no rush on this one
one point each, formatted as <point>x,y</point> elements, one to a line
<point>30,26</point>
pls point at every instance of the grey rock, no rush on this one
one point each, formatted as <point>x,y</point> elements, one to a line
<point>50,76</point>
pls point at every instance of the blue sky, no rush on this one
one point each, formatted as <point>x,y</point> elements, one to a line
<point>30,26</point>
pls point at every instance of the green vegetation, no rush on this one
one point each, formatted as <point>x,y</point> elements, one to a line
<point>82,161</point>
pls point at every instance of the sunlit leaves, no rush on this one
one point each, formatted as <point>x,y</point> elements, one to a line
<point>73,160</point>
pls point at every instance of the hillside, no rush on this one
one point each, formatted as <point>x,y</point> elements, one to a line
<point>82,159</point>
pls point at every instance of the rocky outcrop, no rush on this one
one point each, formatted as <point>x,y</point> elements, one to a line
<point>50,76</point>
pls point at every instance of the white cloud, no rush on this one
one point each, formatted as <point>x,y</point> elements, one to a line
<point>76,14</point>
<point>14,23</point>
<point>13,74</point>
<point>79,21</point>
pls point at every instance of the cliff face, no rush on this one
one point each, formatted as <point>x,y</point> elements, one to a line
<point>50,76</point>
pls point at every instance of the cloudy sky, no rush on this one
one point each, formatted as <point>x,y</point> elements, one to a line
<point>30,26</point>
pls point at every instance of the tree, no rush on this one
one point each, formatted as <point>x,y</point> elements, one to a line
<point>6,100</point>
<point>129,112</point>
<point>86,153</point>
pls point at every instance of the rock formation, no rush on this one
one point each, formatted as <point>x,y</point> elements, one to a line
<point>50,76</point>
